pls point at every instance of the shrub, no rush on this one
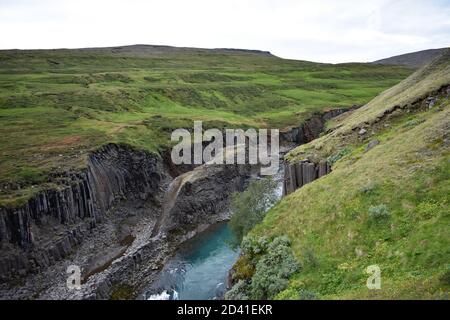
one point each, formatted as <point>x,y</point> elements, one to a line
<point>335,158</point>
<point>379,213</point>
<point>368,188</point>
<point>240,291</point>
<point>273,270</point>
<point>306,295</point>
<point>253,247</point>
<point>445,278</point>
<point>123,292</point>
<point>413,123</point>
<point>271,265</point>
<point>243,268</point>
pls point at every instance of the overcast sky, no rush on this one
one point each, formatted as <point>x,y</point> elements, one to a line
<point>317,30</point>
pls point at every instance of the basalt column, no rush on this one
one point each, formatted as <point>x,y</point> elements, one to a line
<point>300,173</point>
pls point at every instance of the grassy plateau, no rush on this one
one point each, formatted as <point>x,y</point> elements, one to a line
<point>57,105</point>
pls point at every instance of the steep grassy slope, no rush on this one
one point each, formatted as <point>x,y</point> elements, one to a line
<point>385,206</point>
<point>56,105</point>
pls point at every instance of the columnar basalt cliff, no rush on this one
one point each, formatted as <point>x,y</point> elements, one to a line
<point>296,175</point>
<point>118,184</point>
<point>53,222</point>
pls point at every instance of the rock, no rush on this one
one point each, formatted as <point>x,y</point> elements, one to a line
<point>362,131</point>
<point>328,168</point>
<point>299,175</point>
<point>311,128</point>
<point>309,172</point>
<point>372,144</point>
<point>322,168</point>
<point>290,180</point>
<point>202,196</point>
<point>446,142</point>
<point>431,101</point>
<point>114,172</point>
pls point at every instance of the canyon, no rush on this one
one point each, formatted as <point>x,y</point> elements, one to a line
<point>121,218</point>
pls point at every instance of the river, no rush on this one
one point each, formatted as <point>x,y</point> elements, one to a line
<point>199,270</point>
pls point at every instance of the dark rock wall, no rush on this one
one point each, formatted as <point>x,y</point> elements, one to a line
<point>311,128</point>
<point>298,174</point>
<point>52,223</point>
<point>205,197</point>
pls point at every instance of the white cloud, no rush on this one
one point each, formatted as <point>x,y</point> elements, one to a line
<point>319,30</point>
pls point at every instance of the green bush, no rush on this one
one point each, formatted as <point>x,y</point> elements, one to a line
<point>445,278</point>
<point>379,213</point>
<point>335,158</point>
<point>253,247</point>
<point>273,264</point>
<point>413,123</point>
<point>306,295</point>
<point>368,188</point>
<point>243,269</point>
<point>123,292</point>
<point>273,270</point>
<point>239,291</point>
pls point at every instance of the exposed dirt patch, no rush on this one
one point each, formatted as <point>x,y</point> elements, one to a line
<point>62,143</point>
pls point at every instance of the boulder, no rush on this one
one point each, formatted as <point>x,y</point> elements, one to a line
<point>372,144</point>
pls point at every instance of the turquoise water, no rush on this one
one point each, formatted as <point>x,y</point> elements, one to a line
<point>199,270</point>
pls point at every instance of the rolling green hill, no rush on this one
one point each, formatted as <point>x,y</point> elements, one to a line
<point>386,204</point>
<point>57,105</point>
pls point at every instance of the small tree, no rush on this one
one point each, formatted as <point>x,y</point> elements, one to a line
<point>250,207</point>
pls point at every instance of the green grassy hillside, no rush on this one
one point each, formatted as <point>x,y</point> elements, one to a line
<point>56,105</point>
<point>385,206</point>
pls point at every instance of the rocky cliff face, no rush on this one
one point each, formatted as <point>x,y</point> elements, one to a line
<point>202,196</point>
<point>296,175</point>
<point>123,193</point>
<point>53,222</point>
<point>311,128</point>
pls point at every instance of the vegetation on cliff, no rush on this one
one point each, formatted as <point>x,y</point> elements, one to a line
<point>386,202</point>
<point>267,267</point>
<point>250,206</point>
